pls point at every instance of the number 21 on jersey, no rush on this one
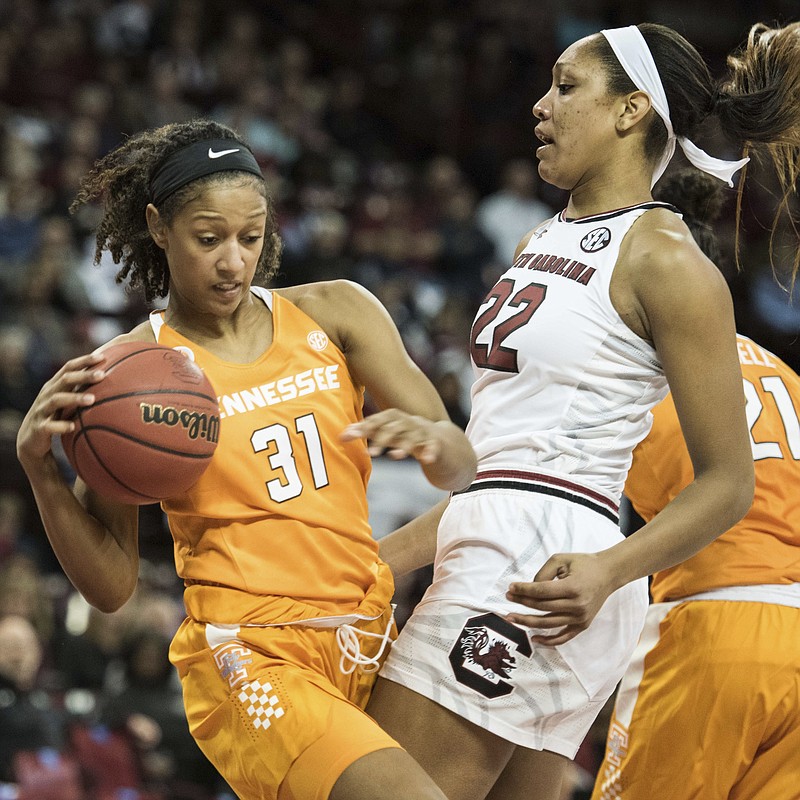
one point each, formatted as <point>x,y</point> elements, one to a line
<point>782,402</point>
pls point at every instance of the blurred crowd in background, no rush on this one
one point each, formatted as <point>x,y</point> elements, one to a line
<point>397,140</point>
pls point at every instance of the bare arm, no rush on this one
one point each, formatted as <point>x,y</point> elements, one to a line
<point>687,312</point>
<point>692,326</point>
<point>95,541</point>
<point>413,420</point>
<point>414,544</point>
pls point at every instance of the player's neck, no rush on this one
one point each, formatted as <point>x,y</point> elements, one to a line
<point>240,337</point>
<point>607,193</point>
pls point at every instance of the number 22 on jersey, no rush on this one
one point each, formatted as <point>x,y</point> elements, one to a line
<point>494,354</point>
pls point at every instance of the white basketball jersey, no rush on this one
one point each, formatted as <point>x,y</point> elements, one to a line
<point>563,387</point>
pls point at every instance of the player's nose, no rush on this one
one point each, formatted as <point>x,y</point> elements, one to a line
<point>231,257</point>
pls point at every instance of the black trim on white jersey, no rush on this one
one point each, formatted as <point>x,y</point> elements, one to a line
<point>616,213</point>
<point>525,481</point>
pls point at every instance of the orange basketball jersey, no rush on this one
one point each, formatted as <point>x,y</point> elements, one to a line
<point>764,547</point>
<point>280,516</point>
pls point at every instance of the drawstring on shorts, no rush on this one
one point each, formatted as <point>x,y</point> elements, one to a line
<point>347,637</point>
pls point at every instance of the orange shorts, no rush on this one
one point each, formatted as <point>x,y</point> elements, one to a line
<point>709,706</point>
<point>271,708</point>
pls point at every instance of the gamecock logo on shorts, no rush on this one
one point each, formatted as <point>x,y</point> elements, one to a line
<point>486,652</point>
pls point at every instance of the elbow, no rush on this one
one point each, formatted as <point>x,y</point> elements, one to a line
<point>457,463</point>
<point>741,492</point>
<point>464,473</point>
<point>470,470</point>
<point>111,599</point>
<point>106,605</point>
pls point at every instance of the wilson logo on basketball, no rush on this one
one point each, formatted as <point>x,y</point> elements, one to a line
<point>202,426</point>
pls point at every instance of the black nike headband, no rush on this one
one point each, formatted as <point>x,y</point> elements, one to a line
<point>197,160</point>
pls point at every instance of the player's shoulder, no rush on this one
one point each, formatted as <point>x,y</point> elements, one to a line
<point>311,294</point>
<point>344,309</point>
<point>660,237</point>
<point>524,241</point>
<point>141,333</point>
<point>337,302</point>
<point>659,251</point>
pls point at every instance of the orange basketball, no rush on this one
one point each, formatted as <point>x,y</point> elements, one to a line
<point>152,429</point>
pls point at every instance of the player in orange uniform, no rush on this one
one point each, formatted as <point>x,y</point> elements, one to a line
<point>709,706</point>
<point>288,603</point>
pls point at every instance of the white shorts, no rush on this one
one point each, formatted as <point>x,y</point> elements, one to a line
<point>458,650</point>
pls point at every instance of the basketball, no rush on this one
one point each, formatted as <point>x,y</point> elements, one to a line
<point>152,429</point>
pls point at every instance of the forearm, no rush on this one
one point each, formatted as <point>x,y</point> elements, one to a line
<point>413,545</point>
<point>705,509</point>
<point>457,464</point>
<point>91,557</point>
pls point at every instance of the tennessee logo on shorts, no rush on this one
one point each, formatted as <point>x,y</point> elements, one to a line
<point>486,652</point>
<point>232,660</point>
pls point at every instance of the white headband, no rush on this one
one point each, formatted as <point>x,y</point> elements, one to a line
<point>635,57</point>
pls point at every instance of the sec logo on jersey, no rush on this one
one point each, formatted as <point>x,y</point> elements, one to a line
<point>317,340</point>
<point>596,240</point>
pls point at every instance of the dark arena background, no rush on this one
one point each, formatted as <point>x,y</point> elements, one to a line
<point>397,141</point>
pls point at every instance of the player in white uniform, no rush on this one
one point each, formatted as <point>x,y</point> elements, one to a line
<point>572,347</point>
<point>549,483</point>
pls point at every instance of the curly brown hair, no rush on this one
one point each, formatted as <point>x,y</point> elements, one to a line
<point>121,182</point>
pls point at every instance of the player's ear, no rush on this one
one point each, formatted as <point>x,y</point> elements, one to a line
<point>156,226</point>
<point>635,108</point>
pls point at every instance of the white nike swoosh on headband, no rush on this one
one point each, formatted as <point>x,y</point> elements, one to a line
<point>212,154</point>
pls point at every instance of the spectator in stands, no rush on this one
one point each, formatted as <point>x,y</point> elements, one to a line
<point>28,720</point>
<point>23,593</point>
<point>149,707</point>
<point>12,539</point>
<point>18,386</point>
<point>506,215</point>
<point>466,251</point>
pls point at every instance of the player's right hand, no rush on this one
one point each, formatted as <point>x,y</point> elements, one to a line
<point>65,391</point>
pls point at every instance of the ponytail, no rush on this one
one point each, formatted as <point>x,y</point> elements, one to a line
<point>757,104</point>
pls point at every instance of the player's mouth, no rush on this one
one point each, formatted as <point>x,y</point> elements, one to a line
<point>227,289</point>
<point>542,137</point>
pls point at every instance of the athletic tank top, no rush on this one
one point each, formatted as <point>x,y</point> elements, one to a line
<point>277,527</point>
<point>562,386</point>
<point>764,546</point>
